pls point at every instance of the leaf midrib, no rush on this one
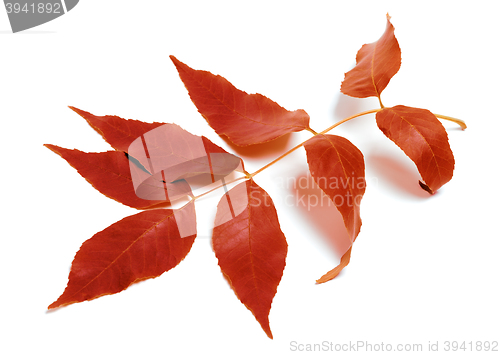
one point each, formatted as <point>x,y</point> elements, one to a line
<point>236,112</point>
<point>413,127</point>
<point>123,252</point>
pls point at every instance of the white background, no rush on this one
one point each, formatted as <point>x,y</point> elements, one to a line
<point>424,268</point>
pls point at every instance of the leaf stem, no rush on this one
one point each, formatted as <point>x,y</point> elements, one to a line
<point>322,132</point>
<point>247,174</point>
<point>380,102</point>
<point>350,118</point>
<point>277,159</point>
<point>251,175</point>
<point>218,187</point>
<point>311,130</point>
<point>456,120</point>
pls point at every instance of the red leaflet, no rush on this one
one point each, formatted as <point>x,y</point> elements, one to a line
<point>108,173</point>
<point>338,168</point>
<point>121,133</point>
<point>160,165</point>
<point>251,247</point>
<point>172,156</point>
<point>117,131</point>
<point>244,118</point>
<point>138,247</point>
<point>423,138</point>
<point>177,154</point>
<point>376,64</point>
<point>330,275</point>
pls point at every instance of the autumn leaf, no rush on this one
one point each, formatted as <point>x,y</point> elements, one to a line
<point>172,156</point>
<point>120,133</point>
<point>376,64</point>
<point>250,247</point>
<point>244,118</point>
<point>159,165</point>
<point>178,154</point>
<point>138,247</point>
<point>423,139</point>
<point>109,173</point>
<point>338,168</point>
<point>117,131</point>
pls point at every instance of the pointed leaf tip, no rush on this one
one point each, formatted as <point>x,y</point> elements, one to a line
<point>338,168</point>
<point>376,64</point>
<point>425,187</point>
<point>77,110</point>
<point>330,275</point>
<point>174,59</point>
<point>117,131</point>
<point>250,247</point>
<point>138,247</point>
<point>108,172</point>
<point>245,119</point>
